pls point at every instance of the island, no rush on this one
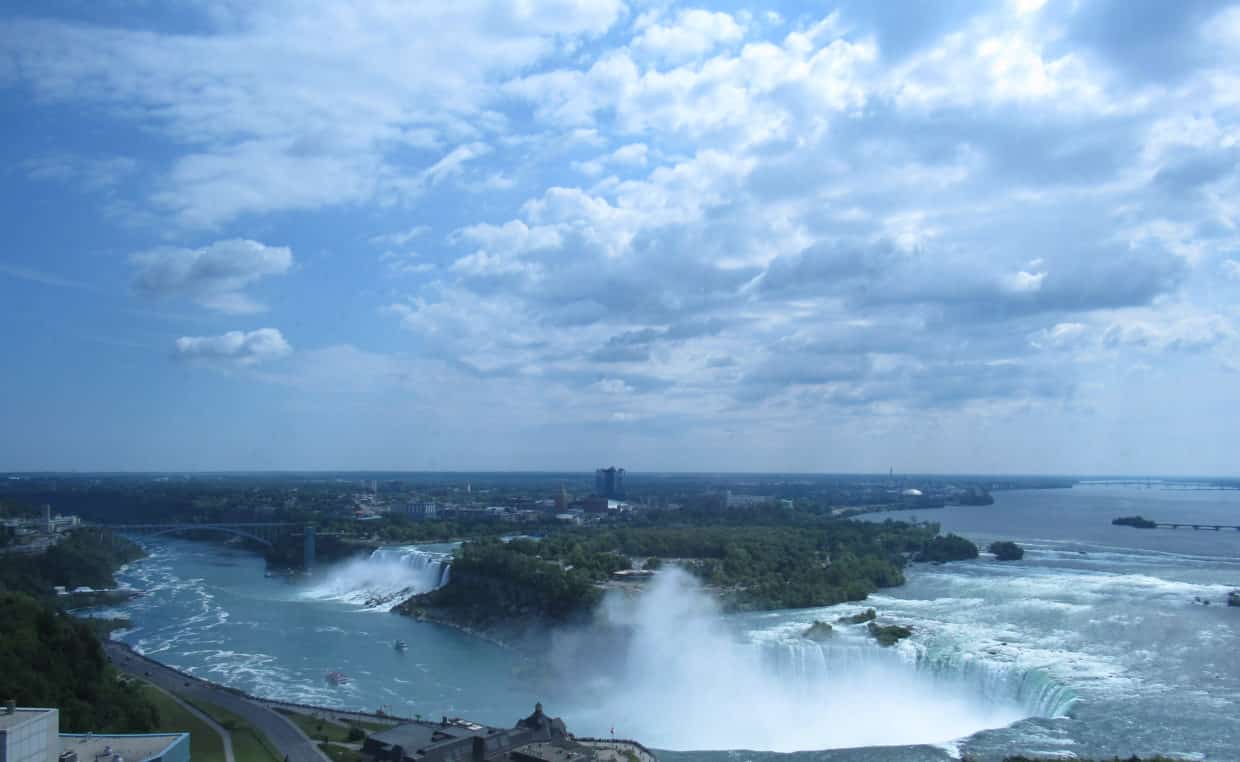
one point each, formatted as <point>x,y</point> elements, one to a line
<point>1138,522</point>
<point>752,560</point>
<point>819,631</point>
<point>1004,550</point>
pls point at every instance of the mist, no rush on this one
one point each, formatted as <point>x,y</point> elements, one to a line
<point>681,679</point>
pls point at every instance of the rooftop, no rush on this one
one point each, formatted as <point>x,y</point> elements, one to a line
<point>20,717</point>
<point>131,747</point>
<point>419,735</point>
<point>551,752</point>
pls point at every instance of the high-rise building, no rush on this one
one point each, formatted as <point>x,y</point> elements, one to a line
<point>609,482</point>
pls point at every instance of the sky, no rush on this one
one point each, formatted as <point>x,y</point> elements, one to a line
<point>990,237</point>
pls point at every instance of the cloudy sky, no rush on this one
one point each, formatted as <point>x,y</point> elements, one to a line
<point>948,237</point>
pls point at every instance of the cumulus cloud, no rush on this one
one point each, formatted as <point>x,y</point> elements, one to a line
<point>234,349</point>
<point>213,276</point>
<point>709,215</point>
<point>691,34</point>
<point>285,105</point>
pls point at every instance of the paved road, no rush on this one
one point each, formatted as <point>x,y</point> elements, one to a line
<point>282,733</point>
<point>223,733</point>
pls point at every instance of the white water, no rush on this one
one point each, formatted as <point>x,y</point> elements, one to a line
<point>687,682</point>
<point>384,579</point>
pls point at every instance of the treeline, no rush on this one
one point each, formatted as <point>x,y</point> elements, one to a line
<point>796,564</point>
<point>48,659</point>
<point>757,567</point>
<point>498,580</point>
<point>80,559</point>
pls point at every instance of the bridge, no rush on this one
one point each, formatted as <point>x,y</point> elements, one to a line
<point>262,532</point>
<point>1214,527</point>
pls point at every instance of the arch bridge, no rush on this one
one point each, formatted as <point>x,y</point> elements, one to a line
<point>263,532</point>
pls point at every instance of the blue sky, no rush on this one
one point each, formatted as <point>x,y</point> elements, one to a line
<point>995,237</point>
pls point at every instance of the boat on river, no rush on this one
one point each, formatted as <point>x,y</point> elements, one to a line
<point>336,677</point>
<point>401,645</point>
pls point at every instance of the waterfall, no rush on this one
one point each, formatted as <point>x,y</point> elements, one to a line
<point>385,578</point>
<point>996,682</point>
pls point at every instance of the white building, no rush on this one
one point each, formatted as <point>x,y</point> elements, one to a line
<point>422,510</point>
<point>33,735</point>
<point>29,735</point>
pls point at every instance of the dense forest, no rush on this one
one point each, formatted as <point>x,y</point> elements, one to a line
<point>80,559</point>
<point>48,659</point>
<point>794,563</point>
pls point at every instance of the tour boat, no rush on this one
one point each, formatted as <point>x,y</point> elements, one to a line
<point>401,645</point>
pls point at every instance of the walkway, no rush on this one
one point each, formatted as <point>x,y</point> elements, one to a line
<point>280,731</point>
<point>224,735</point>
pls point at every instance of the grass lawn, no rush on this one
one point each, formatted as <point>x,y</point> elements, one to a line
<point>205,744</point>
<point>318,729</point>
<point>374,727</point>
<point>341,754</point>
<point>249,745</point>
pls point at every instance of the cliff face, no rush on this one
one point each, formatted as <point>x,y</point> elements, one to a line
<point>489,606</point>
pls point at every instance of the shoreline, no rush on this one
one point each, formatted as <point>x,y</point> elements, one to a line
<point>112,643</point>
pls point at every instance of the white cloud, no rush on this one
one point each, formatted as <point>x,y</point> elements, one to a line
<point>235,348</point>
<point>452,164</point>
<point>691,34</point>
<point>213,276</point>
<point>399,238</point>
<point>1059,336</point>
<point>1180,330</point>
<point>297,105</point>
<point>1023,282</point>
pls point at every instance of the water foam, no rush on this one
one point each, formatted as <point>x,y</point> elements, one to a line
<point>384,579</point>
<point>687,681</point>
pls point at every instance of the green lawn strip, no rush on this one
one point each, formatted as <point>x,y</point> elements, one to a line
<point>317,728</point>
<point>373,727</point>
<point>205,743</point>
<point>249,744</point>
<point>341,753</point>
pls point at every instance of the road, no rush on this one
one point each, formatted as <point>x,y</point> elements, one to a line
<point>225,736</point>
<point>283,734</point>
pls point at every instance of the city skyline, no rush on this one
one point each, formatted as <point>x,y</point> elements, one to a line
<point>780,238</point>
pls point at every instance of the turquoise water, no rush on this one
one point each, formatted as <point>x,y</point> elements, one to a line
<point>1096,643</point>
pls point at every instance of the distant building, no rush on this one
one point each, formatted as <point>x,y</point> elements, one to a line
<point>744,501</point>
<point>609,482</point>
<point>561,500</point>
<point>422,510</point>
<point>33,735</point>
<point>54,524</point>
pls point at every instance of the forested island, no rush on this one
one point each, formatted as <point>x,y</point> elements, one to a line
<point>1138,522</point>
<point>756,559</point>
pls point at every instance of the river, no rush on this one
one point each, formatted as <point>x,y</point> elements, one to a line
<point>1103,640</point>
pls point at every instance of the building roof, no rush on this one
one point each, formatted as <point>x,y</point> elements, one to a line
<point>21,717</point>
<point>551,752</point>
<point>131,747</point>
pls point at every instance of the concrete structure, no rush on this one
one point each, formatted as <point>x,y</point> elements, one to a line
<point>262,532</point>
<point>131,747</point>
<point>33,735</point>
<point>29,735</point>
<point>537,738</point>
<point>609,482</point>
